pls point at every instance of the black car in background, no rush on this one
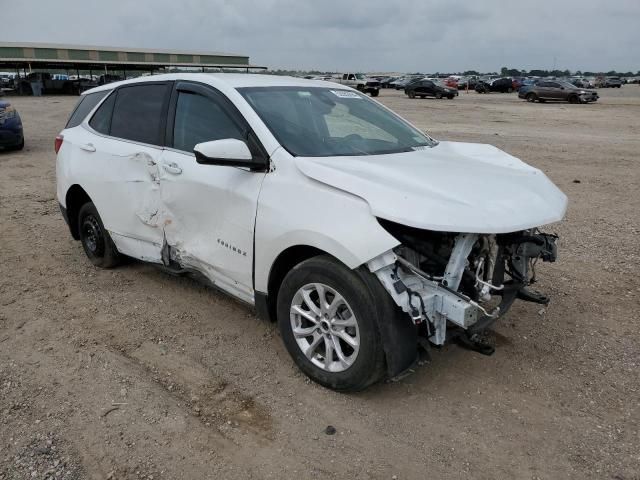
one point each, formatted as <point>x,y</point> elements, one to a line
<point>502,85</point>
<point>429,88</point>
<point>385,82</point>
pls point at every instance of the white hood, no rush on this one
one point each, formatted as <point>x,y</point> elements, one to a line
<point>453,187</point>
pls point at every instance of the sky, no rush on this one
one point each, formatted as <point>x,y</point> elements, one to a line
<point>355,35</point>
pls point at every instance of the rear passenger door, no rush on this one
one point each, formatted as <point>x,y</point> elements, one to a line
<point>544,90</point>
<point>210,210</point>
<point>122,151</point>
<point>428,87</point>
<point>556,91</point>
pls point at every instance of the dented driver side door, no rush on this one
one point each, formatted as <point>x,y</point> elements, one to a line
<point>209,211</point>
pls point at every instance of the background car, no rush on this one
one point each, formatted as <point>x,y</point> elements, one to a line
<point>402,82</point>
<point>612,82</point>
<point>429,88</point>
<point>582,83</point>
<point>385,82</point>
<point>463,82</point>
<point>516,82</point>
<point>451,82</point>
<point>558,91</point>
<point>11,133</point>
<point>502,85</point>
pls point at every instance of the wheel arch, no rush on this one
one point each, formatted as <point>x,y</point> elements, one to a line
<point>74,199</point>
<point>397,331</point>
<point>283,263</point>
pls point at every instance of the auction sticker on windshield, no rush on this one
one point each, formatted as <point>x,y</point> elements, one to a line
<point>345,94</point>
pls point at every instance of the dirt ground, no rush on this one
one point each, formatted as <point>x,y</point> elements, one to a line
<point>132,373</point>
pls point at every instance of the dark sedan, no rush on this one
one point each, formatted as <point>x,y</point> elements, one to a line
<point>430,88</point>
<point>503,85</point>
<point>11,135</point>
<point>557,91</point>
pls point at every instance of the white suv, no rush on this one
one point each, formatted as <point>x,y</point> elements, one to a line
<point>361,235</point>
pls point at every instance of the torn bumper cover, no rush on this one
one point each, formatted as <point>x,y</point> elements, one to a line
<point>459,298</point>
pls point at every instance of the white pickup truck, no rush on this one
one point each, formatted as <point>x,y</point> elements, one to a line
<point>360,82</point>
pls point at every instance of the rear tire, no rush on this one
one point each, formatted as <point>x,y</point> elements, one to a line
<point>346,320</point>
<point>438,95</point>
<point>95,239</point>
<point>374,93</point>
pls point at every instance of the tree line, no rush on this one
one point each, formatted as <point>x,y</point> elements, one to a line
<point>514,72</point>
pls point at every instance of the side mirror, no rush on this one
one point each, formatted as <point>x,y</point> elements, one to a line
<point>228,152</point>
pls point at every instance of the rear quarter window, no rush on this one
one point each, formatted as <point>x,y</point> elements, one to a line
<point>101,120</point>
<point>85,105</point>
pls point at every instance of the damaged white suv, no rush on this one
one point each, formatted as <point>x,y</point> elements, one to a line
<point>361,235</point>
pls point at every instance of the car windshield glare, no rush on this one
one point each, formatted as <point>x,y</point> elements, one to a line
<point>326,122</point>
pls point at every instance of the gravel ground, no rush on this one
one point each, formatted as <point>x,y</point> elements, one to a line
<point>132,373</point>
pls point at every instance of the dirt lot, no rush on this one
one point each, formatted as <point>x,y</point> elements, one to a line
<point>200,388</point>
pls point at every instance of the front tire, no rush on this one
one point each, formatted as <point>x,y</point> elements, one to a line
<point>411,94</point>
<point>531,97</point>
<point>95,239</point>
<point>327,317</point>
<point>438,95</point>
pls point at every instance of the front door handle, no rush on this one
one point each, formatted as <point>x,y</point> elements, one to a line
<point>88,147</point>
<point>172,168</point>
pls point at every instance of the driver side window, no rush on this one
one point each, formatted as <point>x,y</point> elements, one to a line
<point>200,119</point>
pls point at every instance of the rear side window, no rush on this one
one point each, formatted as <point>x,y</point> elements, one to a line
<point>200,119</point>
<point>84,106</point>
<point>101,120</point>
<point>138,113</point>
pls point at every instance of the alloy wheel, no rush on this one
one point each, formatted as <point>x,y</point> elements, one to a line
<point>325,327</point>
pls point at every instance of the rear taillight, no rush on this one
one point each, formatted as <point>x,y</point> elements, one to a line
<point>58,143</point>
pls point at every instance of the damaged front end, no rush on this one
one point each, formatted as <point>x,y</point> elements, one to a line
<point>455,285</point>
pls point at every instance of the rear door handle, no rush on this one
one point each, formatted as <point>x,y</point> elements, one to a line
<point>88,147</point>
<point>172,168</point>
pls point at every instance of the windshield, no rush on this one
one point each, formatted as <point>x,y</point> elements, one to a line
<point>359,76</point>
<point>567,85</point>
<point>325,122</point>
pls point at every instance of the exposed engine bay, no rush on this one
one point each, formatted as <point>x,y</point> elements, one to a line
<point>459,284</point>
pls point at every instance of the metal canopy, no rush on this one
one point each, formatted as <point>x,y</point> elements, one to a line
<point>54,56</point>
